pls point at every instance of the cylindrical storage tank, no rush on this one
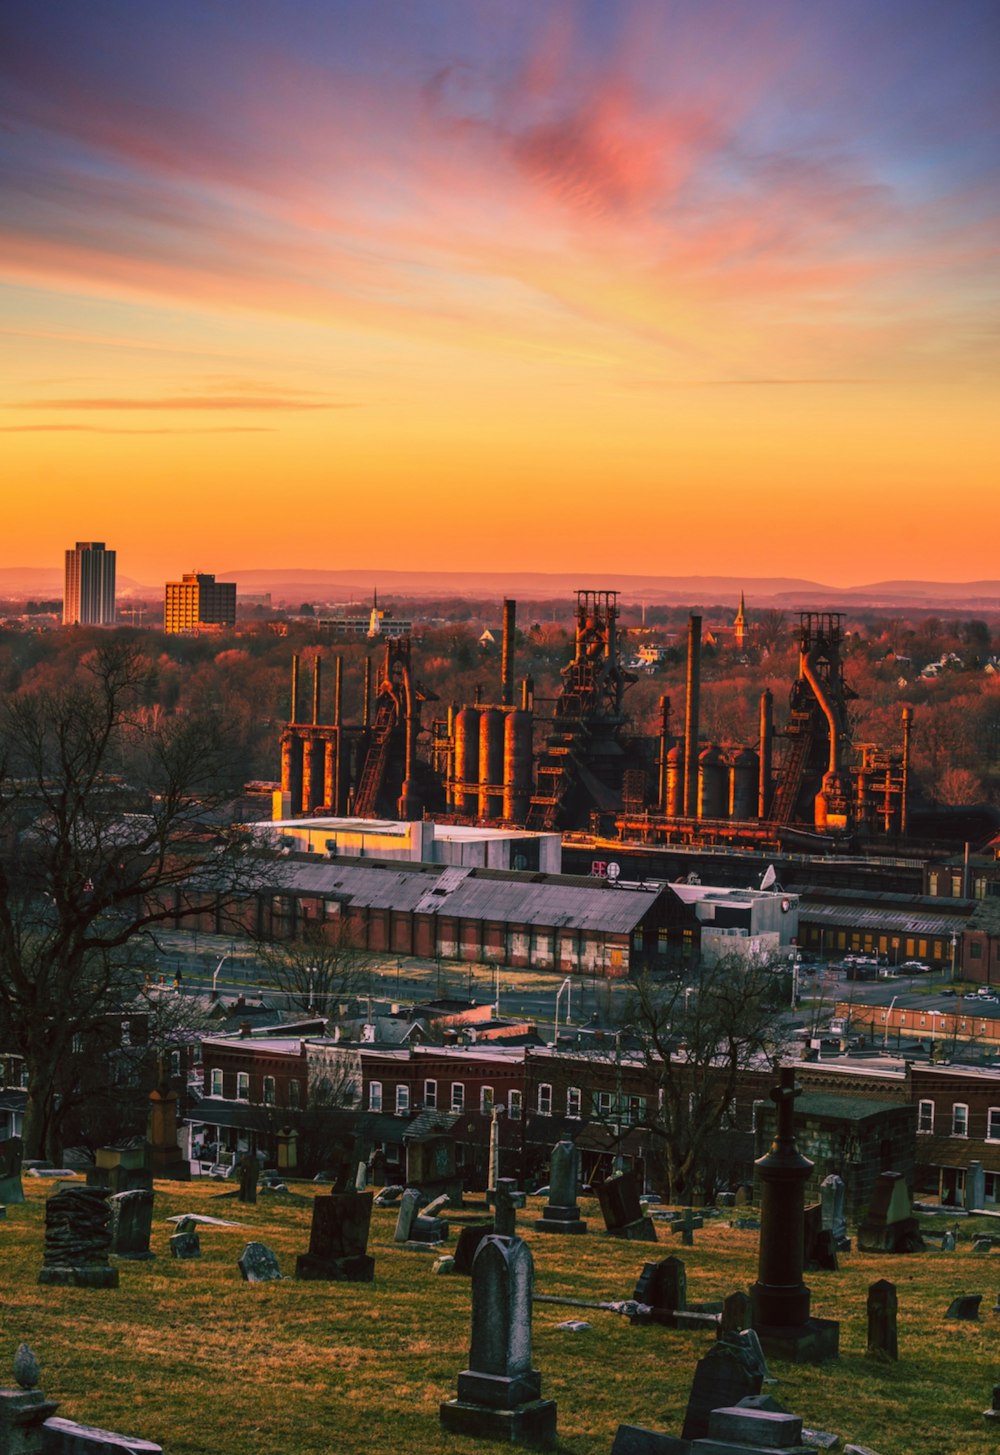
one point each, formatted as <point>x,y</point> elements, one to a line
<point>517,764</point>
<point>491,731</point>
<point>713,784</point>
<point>467,760</point>
<point>744,785</point>
<point>675,782</point>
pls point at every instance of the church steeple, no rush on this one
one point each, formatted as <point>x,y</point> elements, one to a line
<point>740,626</point>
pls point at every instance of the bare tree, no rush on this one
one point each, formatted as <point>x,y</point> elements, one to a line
<point>698,1041</point>
<point>104,834</point>
<point>318,968</point>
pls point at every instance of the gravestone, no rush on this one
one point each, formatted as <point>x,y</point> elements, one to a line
<point>737,1313</point>
<point>131,1223</point>
<point>249,1172</point>
<point>389,1196</point>
<point>992,1415</point>
<point>78,1238</point>
<point>780,1298</point>
<point>186,1243</point>
<point>618,1196</point>
<point>965,1307</point>
<point>468,1243</point>
<point>562,1214</point>
<point>430,1157</point>
<point>889,1225</point>
<point>722,1377</point>
<point>975,1187</point>
<point>506,1201</point>
<point>166,1159</point>
<point>663,1285</point>
<point>882,1309</point>
<point>831,1194</point>
<point>122,1169</point>
<point>24,1411</point>
<point>413,1229</point>
<point>818,1248</point>
<point>499,1394</point>
<point>687,1226</point>
<point>744,1428</point>
<point>258,1264</point>
<point>948,1242</point>
<point>338,1239</point>
<point>11,1156</point>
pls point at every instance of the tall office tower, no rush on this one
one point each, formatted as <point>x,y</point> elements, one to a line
<point>89,594</point>
<point>199,602</point>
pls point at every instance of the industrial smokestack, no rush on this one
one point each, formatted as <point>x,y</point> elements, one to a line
<point>367,710</point>
<point>664,750</point>
<point>507,654</point>
<point>905,784</point>
<point>691,718</point>
<point>338,690</point>
<point>766,751</point>
<point>295,688</point>
<point>317,679</point>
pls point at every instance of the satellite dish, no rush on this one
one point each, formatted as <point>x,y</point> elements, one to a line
<point>614,871</point>
<point>770,877</point>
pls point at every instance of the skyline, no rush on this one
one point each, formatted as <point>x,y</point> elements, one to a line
<point>684,289</point>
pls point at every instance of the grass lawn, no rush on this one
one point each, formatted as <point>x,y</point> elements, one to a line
<point>186,1354</point>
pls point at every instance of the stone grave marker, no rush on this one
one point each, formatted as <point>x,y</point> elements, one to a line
<point>818,1247</point>
<point>687,1226</point>
<point>11,1157</point>
<point>663,1285</point>
<point>983,1245</point>
<point>414,1230</point>
<point>258,1264</point>
<point>737,1313</point>
<point>468,1243</point>
<point>249,1174</point>
<point>882,1309</point>
<point>444,1264</point>
<point>186,1243</point>
<point>499,1394</point>
<point>832,1195</point>
<point>131,1223</point>
<point>965,1307</point>
<point>618,1196</point>
<point>975,1187</point>
<point>338,1239</point>
<point>78,1238</point>
<point>722,1377</point>
<point>889,1225</point>
<point>742,1427</point>
<point>389,1196</point>
<point>506,1201</point>
<point>992,1415</point>
<point>122,1169</point>
<point>561,1214</point>
<point>948,1242</point>
<point>24,1411</point>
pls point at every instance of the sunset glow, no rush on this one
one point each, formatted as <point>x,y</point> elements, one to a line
<point>662,287</point>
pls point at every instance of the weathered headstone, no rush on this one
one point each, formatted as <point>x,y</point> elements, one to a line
<point>78,1238</point>
<point>258,1264</point>
<point>687,1226</point>
<point>506,1201</point>
<point>831,1194</point>
<point>975,1187</point>
<point>24,1411</point>
<point>122,1169</point>
<point>131,1223</point>
<point>965,1307</point>
<point>561,1213</point>
<point>468,1243</point>
<point>69,1437</point>
<point>992,1415</point>
<point>411,1228</point>
<point>722,1377</point>
<point>882,1309</point>
<point>499,1394</point>
<point>737,1313</point>
<point>389,1196</point>
<point>745,1428</point>
<point>889,1225</point>
<point>11,1156</point>
<point>338,1239</point>
<point>948,1242</point>
<point>818,1248</point>
<point>663,1285</point>
<point>780,1298</point>
<point>249,1172</point>
<point>618,1196</point>
<point>186,1243</point>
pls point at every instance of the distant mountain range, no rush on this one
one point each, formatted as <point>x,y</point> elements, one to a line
<point>299,584</point>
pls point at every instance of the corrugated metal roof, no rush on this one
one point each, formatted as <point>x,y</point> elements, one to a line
<point>892,920</point>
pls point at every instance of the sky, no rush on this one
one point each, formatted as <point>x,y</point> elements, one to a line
<point>674,286</point>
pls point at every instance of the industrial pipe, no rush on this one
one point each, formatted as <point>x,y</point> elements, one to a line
<point>691,718</point>
<point>507,654</point>
<point>766,753</point>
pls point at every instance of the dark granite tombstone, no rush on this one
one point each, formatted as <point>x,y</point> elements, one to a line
<point>131,1223</point>
<point>338,1239</point>
<point>637,1440</point>
<point>249,1174</point>
<point>889,1225</point>
<point>965,1307</point>
<point>11,1156</point>
<point>186,1243</point>
<point>258,1264</point>
<point>467,1246</point>
<point>618,1196</point>
<point>414,1230</point>
<point>992,1415</point>
<point>122,1169</point>
<point>722,1377</point>
<point>737,1313</point>
<point>832,1193</point>
<point>882,1308</point>
<point>818,1249</point>
<point>562,1214</point>
<point>506,1200</point>
<point>780,1298</point>
<point>687,1226</point>
<point>78,1238</point>
<point>663,1285</point>
<point>499,1394</point>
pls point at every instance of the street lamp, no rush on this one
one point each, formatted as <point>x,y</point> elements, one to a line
<point>888,1019</point>
<point>567,985</point>
<point>215,973</point>
<point>311,972</point>
<point>954,943</point>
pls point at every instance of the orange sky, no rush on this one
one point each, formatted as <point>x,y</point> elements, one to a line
<point>533,286</point>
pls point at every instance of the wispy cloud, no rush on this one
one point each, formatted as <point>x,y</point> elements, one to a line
<point>101,429</point>
<point>182,402</point>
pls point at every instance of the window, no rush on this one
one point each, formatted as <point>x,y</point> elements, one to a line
<point>269,1094</point>
<point>175,1063</point>
<point>375,1096</point>
<point>294,1094</point>
<point>458,1096</point>
<point>635,1110</point>
<point>430,1093</point>
<point>993,1124</point>
<point>77,1046</point>
<point>545,1099</point>
<point>573,1102</point>
<point>975,950</point>
<point>925,1116</point>
<point>486,1100</point>
<point>602,1103</point>
<point>960,1119</point>
<point>243,1086</point>
<point>216,1081</point>
<point>514,1106</point>
<point>758,1107</point>
<point>402,1100</point>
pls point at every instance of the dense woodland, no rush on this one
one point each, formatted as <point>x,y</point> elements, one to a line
<point>246,675</point>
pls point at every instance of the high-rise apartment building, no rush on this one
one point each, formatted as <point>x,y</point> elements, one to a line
<point>89,594</point>
<point>198,602</point>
